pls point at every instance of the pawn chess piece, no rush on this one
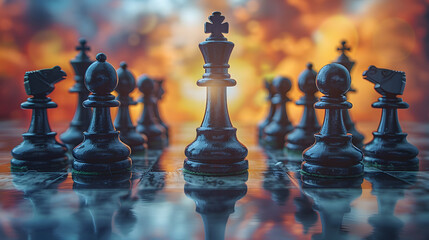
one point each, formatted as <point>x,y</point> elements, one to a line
<point>147,123</point>
<point>344,60</point>
<point>123,123</point>
<point>40,150</point>
<point>216,150</point>
<point>82,117</point>
<point>280,126</point>
<point>302,136</point>
<point>270,89</point>
<point>333,155</point>
<point>101,154</point>
<point>159,92</point>
<point>389,149</point>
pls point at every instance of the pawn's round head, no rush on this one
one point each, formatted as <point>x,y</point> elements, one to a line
<point>307,80</point>
<point>145,84</point>
<point>101,77</point>
<point>333,80</point>
<point>282,84</point>
<point>127,82</point>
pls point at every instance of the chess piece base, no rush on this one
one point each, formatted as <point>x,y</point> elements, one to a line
<point>300,139</point>
<point>97,169</point>
<point>197,167</point>
<point>134,140</point>
<point>73,136</point>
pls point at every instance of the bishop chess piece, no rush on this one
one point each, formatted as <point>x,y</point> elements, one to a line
<point>82,117</point>
<point>302,136</point>
<point>333,155</point>
<point>123,123</point>
<point>270,89</point>
<point>159,93</point>
<point>147,123</point>
<point>344,60</point>
<point>101,154</point>
<point>216,150</point>
<point>276,131</point>
<point>389,149</point>
<point>40,149</point>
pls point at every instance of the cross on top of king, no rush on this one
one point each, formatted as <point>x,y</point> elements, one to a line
<point>216,27</point>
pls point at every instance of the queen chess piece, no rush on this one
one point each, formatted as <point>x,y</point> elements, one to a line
<point>82,117</point>
<point>216,150</point>
<point>40,150</point>
<point>389,149</point>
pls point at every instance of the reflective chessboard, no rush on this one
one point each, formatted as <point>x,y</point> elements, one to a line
<point>160,202</point>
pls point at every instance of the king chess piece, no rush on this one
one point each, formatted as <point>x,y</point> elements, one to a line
<point>40,149</point>
<point>159,93</point>
<point>101,154</point>
<point>216,150</point>
<point>275,132</point>
<point>82,117</point>
<point>270,89</point>
<point>333,155</point>
<point>344,60</point>
<point>302,136</point>
<point>389,149</point>
<point>123,123</point>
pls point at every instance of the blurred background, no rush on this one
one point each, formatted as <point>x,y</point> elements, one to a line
<point>160,38</point>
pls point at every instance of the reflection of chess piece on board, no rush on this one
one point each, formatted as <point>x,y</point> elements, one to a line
<point>305,213</point>
<point>82,117</point>
<point>277,182</point>
<point>389,149</point>
<point>215,199</point>
<point>123,123</point>
<point>344,60</point>
<point>40,149</point>
<point>216,150</point>
<point>150,184</point>
<point>302,136</point>
<point>270,89</point>
<point>159,92</point>
<point>275,132</point>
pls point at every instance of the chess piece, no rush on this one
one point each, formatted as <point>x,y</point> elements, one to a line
<point>216,150</point>
<point>276,131</point>
<point>82,117</point>
<point>302,136</point>
<point>333,155</point>
<point>159,92</point>
<point>40,150</point>
<point>389,149</point>
<point>123,123</point>
<point>270,89</point>
<point>101,154</point>
<point>147,123</point>
<point>344,60</point>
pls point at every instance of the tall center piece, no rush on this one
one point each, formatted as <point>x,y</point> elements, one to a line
<point>216,150</point>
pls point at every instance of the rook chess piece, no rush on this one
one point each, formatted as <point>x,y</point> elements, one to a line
<point>40,150</point>
<point>302,136</point>
<point>280,126</point>
<point>159,92</point>
<point>270,89</point>
<point>101,153</point>
<point>216,150</point>
<point>123,123</point>
<point>333,155</point>
<point>389,149</point>
<point>82,117</point>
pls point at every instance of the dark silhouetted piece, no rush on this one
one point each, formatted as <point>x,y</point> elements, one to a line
<point>40,150</point>
<point>275,132</point>
<point>159,92</point>
<point>216,150</point>
<point>302,136</point>
<point>389,149</point>
<point>123,123</point>
<point>333,155</point>
<point>147,124</point>
<point>344,60</point>
<point>82,117</point>
<point>101,154</point>
<point>270,89</point>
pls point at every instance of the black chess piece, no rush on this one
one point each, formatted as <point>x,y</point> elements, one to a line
<point>344,60</point>
<point>275,132</point>
<point>302,136</point>
<point>159,92</point>
<point>333,155</point>
<point>270,89</point>
<point>123,123</point>
<point>216,150</point>
<point>82,117</point>
<point>101,154</point>
<point>389,149</point>
<point>147,124</point>
<point>40,149</point>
